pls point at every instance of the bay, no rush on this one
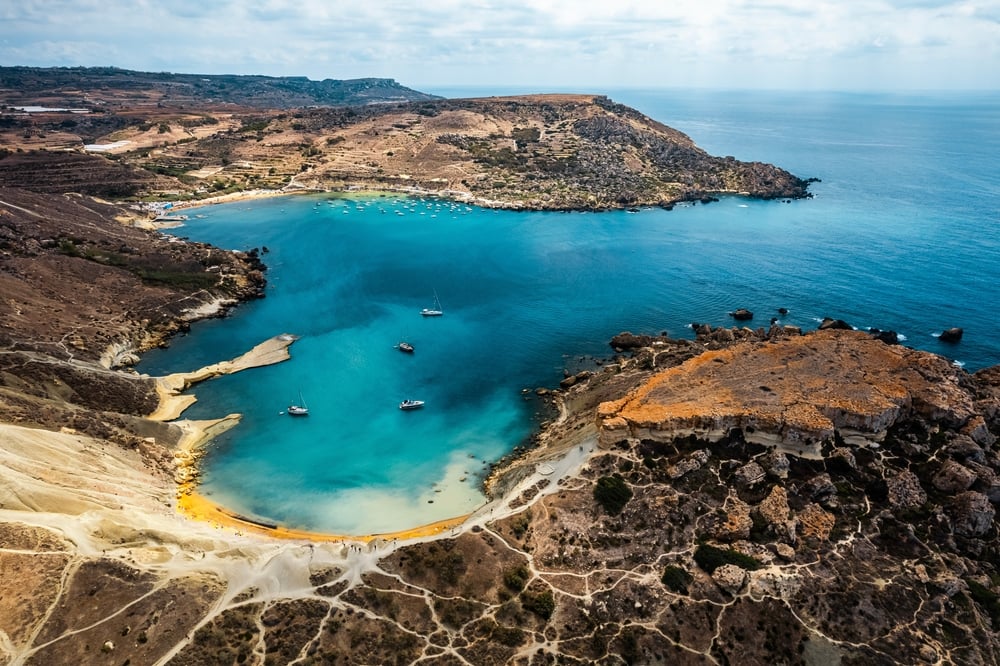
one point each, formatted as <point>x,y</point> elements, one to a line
<point>902,234</point>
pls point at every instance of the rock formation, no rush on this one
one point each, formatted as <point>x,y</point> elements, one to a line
<point>951,335</point>
<point>795,498</point>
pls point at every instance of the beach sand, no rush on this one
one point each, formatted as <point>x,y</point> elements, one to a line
<point>196,434</point>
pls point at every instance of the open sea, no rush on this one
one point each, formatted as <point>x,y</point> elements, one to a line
<point>903,233</point>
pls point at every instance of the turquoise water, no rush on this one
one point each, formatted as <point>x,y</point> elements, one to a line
<point>902,234</point>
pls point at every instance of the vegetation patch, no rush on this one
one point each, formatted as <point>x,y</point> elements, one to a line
<point>542,604</point>
<point>516,578</point>
<point>612,493</point>
<point>710,558</point>
<point>676,579</point>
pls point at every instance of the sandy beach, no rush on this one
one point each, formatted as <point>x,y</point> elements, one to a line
<point>196,434</point>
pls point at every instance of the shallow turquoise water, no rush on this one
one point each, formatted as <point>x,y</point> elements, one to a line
<point>901,235</point>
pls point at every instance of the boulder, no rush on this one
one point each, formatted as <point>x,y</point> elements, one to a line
<point>730,578</point>
<point>689,464</point>
<point>834,324</point>
<point>749,474</point>
<point>972,514</point>
<point>776,464</point>
<point>905,491</point>
<point>842,458</point>
<point>773,509</point>
<point>951,335</point>
<point>815,523</point>
<point>724,335</point>
<point>888,337</point>
<point>741,314</point>
<point>987,481</point>
<point>573,380</point>
<point>820,487</point>
<point>625,341</point>
<point>736,523</point>
<point>965,449</point>
<point>953,478</point>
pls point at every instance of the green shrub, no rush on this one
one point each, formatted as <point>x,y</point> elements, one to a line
<point>710,558</point>
<point>676,578</point>
<point>509,636</point>
<point>542,604</point>
<point>516,578</point>
<point>612,493</point>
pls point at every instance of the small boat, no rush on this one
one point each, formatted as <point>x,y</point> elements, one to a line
<point>405,347</point>
<point>436,311</point>
<point>411,404</point>
<point>300,409</point>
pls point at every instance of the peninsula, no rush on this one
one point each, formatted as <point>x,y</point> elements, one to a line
<point>536,152</point>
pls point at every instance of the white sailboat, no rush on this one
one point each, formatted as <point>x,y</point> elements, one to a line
<point>436,311</point>
<point>299,409</point>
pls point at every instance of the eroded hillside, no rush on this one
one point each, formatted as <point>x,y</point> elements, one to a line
<point>540,152</point>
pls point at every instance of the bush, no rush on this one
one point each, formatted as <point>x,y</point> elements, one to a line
<point>612,493</point>
<point>676,579</point>
<point>516,578</point>
<point>542,604</point>
<point>509,636</point>
<point>710,558</point>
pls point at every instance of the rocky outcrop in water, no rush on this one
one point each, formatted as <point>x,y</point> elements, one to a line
<point>952,335</point>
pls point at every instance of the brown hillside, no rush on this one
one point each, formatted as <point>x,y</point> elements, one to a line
<point>540,152</point>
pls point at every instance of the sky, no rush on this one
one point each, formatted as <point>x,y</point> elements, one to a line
<point>537,45</point>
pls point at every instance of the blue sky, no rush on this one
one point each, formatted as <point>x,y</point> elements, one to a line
<point>560,44</point>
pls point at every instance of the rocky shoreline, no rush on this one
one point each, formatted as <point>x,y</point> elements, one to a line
<point>746,496</point>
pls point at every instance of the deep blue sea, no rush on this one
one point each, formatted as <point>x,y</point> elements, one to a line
<point>902,234</point>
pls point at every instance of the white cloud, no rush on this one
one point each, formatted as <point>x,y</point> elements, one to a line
<point>559,43</point>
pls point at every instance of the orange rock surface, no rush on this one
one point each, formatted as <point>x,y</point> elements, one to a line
<point>794,392</point>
